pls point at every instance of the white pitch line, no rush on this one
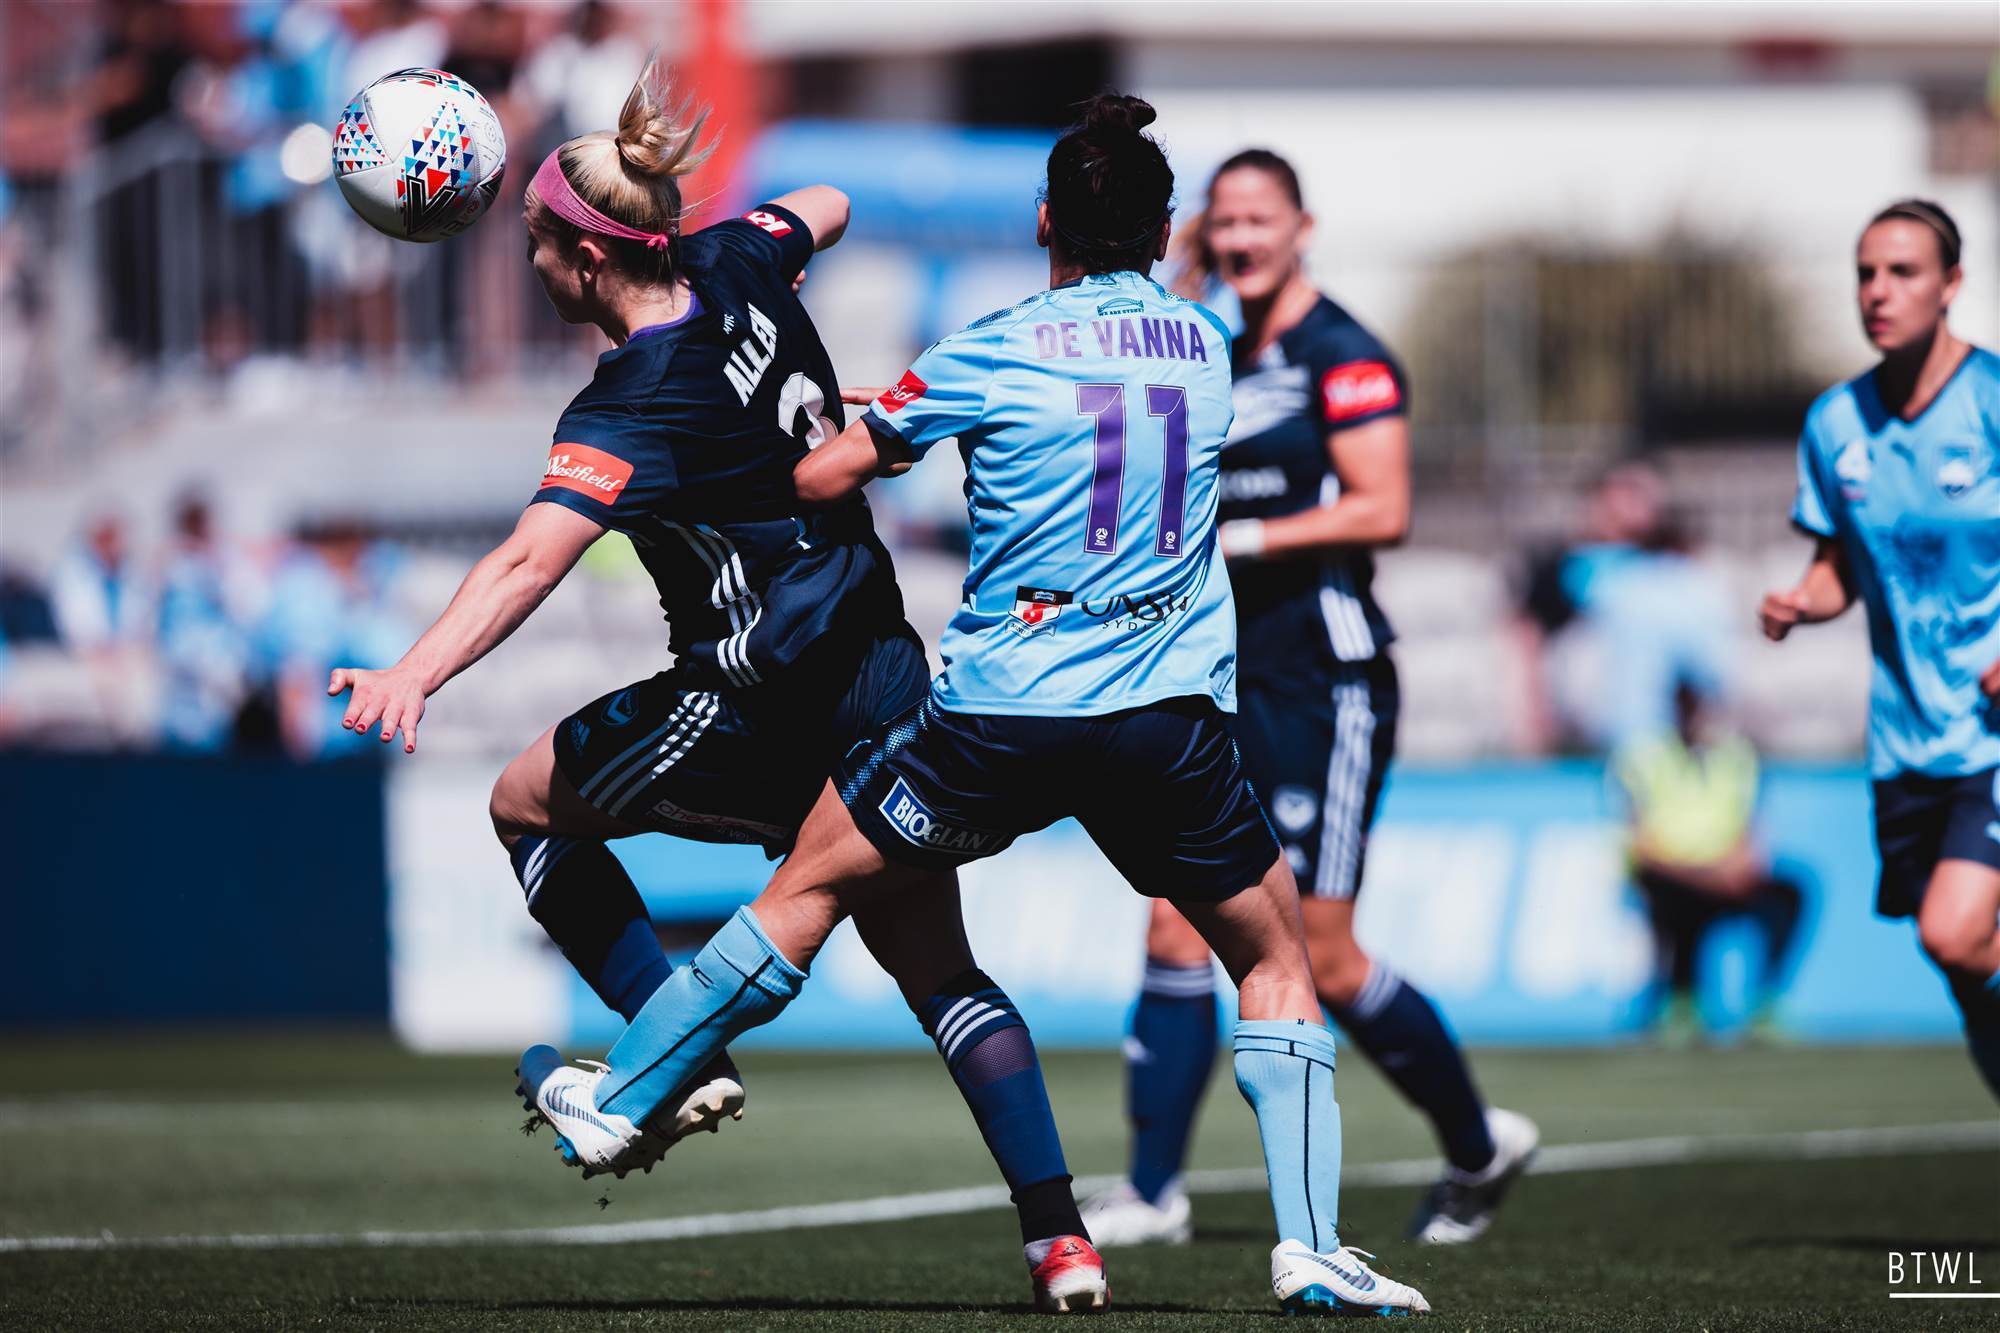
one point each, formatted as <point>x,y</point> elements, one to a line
<point>1563,1158</point>
<point>1810,1145</point>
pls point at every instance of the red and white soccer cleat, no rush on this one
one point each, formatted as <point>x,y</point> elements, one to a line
<point>1068,1275</point>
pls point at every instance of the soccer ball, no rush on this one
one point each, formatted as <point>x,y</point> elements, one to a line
<point>419,154</point>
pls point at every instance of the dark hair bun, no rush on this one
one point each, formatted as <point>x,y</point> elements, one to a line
<point>1118,113</point>
<point>1109,187</point>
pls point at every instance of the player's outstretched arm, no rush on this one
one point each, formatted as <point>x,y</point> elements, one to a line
<point>822,208</point>
<point>1824,592</point>
<point>502,590</point>
<point>844,464</point>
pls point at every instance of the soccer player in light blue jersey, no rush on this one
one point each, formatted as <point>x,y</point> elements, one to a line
<point>1087,675</point>
<point>1899,486</point>
<point>1315,475</point>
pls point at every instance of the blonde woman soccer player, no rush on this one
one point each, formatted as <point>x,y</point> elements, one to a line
<point>787,627</point>
<point>1899,488</point>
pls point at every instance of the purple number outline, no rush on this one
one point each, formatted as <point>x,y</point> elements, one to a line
<point>1105,402</point>
<point>1170,401</point>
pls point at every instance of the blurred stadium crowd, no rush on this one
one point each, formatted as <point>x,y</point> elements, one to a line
<point>168,152</point>
<point>1602,433</point>
<point>186,135</point>
<point>204,646</point>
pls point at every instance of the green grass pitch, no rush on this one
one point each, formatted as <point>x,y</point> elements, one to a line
<point>333,1135</point>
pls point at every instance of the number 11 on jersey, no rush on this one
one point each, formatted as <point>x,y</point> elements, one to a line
<point>1106,404</point>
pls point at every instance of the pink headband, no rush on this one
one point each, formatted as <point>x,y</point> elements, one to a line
<point>553,189</point>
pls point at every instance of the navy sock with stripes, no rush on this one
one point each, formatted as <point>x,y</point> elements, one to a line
<point>1285,1071</point>
<point>1167,1064</point>
<point>584,899</point>
<point>986,1047</point>
<point>1979,1002</point>
<point>1401,1031</point>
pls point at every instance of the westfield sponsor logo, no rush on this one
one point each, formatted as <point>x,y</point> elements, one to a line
<point>588,471</point>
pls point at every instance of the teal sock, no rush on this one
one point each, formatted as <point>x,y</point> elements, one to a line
<point>1285,1072</point>
<point>738,981</point>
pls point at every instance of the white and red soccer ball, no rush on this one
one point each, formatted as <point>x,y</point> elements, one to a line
<point>419,154</point>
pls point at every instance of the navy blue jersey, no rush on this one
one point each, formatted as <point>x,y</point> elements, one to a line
<point>1324,374</point>
<point>685,441</point>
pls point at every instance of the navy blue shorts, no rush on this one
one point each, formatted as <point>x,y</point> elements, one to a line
<point>1160,790</point>
<point>1317,750</point>
<point>1920,821</point>
<point>723,765</point>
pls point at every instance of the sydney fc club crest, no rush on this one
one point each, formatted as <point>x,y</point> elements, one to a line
<point>1956,472</point>
<point>1854,465</point>
<point>1035,609</point>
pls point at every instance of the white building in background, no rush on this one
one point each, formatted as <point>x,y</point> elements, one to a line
<point>1422,129</point>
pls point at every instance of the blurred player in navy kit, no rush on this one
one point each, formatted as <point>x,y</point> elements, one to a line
<point>1899,486</point>
<point>1315,476</point>
<point>787,625</point>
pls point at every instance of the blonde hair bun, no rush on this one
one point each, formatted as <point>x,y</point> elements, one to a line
<point>656,136</point>
<point>631,174</point>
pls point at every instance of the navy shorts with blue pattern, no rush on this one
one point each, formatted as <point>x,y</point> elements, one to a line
<point>1160,790</point>
<point>1317,747</point>
<point>1920,821</point>
<point>694,760</point>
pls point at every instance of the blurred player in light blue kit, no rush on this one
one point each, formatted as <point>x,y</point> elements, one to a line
<point>1087,675</point>
<point>1899,485</point>
<point>1315,476</point>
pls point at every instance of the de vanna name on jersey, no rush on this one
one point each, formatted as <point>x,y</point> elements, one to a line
<point>1157,339</point>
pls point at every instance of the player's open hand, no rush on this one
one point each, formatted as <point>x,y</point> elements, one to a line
<point>862,395</point>
<point>393,698</point>
<point>1989,680</point>
<point>1781,611</point>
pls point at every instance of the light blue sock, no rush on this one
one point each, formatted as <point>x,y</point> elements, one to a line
<point>1285,1072</point>
<point>738,981</point>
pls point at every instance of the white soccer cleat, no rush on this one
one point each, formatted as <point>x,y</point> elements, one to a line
<point>1068,1275</point>
<point>594,1140</point>
<point>1121,1216</point>
<point>1338,1283</point>
<point>1459,1208</point>
<point>711,1103</point>
<point>598,1141</point>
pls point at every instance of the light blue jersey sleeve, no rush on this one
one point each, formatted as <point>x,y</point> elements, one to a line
<point>1810,512</point>
<point>943,394</point>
